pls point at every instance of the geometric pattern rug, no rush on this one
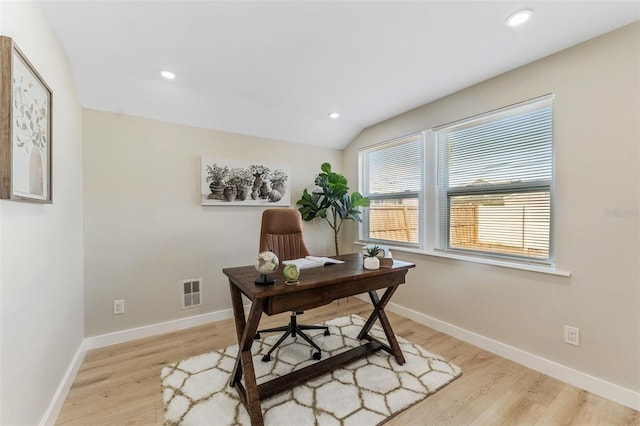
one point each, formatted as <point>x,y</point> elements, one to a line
<point>368,391</point>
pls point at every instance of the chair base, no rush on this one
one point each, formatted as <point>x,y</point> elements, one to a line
<point>293,329</point>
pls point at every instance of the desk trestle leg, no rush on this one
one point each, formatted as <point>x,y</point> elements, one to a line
<point>378,313</point>
<point>246,330</point>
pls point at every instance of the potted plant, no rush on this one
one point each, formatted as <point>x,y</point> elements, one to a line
<point>242,180</point>
<point>371,260</point>
<point>229,193</point>
<point>332,202</point>
<point>260,185</point>
<point>278,179</point>
<point>216,176</point>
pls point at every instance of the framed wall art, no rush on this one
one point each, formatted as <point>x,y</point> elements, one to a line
<point>244,183</point>
<point>25,128</point>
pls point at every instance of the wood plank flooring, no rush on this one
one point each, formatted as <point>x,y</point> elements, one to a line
<point>120,384</point>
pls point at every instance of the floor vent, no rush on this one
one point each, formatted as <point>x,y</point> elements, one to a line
<point>191,293</point>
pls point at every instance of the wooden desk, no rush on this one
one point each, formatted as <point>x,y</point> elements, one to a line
<point>318,286</point>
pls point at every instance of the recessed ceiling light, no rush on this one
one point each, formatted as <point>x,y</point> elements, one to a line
<point>334,115</point>
<point>168,75</point>
<point>519,18</point>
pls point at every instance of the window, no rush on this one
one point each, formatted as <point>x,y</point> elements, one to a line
<point>495,174</point>
<point>391,177</point>
<point>479,187</point>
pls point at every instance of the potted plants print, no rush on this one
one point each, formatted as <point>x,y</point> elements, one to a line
<point>243,183</point>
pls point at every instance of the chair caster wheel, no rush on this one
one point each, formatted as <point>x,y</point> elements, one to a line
<point>257,336</point>
<point>326,333</point>
<point>316,355</point>
<point>266,358</point>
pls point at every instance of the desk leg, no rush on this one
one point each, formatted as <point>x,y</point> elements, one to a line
<point>246,330</point>
<point>378,312</point>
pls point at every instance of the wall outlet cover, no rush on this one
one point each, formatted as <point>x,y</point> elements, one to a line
<point>118,307</point>
<point>572,335</point>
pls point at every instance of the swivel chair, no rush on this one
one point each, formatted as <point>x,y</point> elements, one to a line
<point>281,233</point>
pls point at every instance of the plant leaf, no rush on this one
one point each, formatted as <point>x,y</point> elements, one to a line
<point>326,167</point>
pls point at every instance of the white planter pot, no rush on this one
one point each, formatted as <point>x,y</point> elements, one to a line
<point>371,263</point>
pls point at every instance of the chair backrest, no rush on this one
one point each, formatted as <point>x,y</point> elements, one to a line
<point>281,233</point>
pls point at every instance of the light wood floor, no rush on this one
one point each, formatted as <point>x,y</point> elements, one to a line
<point>120,384</point>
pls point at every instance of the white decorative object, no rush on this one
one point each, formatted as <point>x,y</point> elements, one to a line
<point>371,263</point>
<point>372,255</point>
<point>266,263</point>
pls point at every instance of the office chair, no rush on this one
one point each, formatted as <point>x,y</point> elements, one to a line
<point>281,233</point>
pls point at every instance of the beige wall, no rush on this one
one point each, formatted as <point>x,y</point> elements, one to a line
<point>41,290</point>
<point>145,229</point>
<point>597,231</point>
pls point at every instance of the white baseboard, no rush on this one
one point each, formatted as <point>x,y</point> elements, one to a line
<point>50,416</point>
<point>155,329</point>
<point>561,372</point>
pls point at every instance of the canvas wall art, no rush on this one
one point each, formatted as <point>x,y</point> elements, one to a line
<point>25,128</point>
<point>244,183</point>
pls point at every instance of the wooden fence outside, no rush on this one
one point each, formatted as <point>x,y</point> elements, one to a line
<point>394,222</point>
<point>400,223</point>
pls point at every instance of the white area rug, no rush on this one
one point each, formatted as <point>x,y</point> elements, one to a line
<point>368,391</point>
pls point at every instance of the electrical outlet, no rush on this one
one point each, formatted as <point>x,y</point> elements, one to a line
<point>118,307</point>
<point>572,335</point>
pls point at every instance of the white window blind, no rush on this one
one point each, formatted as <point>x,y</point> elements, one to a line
<point>392,180</point>
<point>495,174</point>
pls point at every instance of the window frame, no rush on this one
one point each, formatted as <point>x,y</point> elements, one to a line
<point>430,204</point>
<point>445,194</point>
<point>363,167</point>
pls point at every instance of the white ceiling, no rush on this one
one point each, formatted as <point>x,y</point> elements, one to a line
<point>276,69</point>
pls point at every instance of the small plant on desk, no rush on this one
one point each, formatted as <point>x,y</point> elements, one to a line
<point>371,260</point>
<point>373,251</point>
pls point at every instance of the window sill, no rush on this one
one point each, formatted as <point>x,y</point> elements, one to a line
<point>495,262</point>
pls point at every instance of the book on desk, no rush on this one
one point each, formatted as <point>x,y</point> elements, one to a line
<point>312,262</point>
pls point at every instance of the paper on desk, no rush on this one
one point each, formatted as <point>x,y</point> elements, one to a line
<point>311,262</point>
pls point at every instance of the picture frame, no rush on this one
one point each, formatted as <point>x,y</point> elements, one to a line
<point>244,183</point>
<point>25,128</point>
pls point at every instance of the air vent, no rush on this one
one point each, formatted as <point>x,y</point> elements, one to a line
<point>191,293</point>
